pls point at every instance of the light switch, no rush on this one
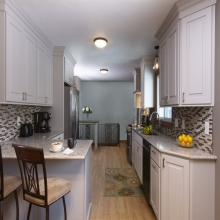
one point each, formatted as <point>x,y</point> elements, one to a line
<point>176,122</point>
<point>206,127</point>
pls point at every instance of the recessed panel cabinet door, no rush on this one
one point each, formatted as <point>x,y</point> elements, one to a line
<point>14,61</point>
<point>196,69</point>
<point>49,79</point>
<point>41,75</point>
<point>30,57</point>
<point>174,188</point>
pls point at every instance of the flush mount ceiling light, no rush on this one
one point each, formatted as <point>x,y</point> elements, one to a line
<point>100,42</point>
<point>103,71</point>
<point>156,62</point>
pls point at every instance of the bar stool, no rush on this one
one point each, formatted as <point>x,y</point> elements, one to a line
<point>8,184</point>
<point>40,192</point>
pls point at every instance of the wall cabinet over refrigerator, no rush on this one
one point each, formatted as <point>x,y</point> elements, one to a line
<point>187,40</point>
<point>25,72</point>
<point>137,88</point>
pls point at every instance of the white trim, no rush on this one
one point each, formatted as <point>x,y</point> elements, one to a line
<point>89,212</point>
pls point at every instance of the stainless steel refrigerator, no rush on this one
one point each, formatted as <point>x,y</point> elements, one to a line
<point>71,112</point>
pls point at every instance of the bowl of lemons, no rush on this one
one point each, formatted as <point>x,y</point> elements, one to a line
<point>147,130</point>
<point>185,140</point>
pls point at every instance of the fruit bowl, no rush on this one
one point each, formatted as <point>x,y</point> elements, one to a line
<point>185,141</point>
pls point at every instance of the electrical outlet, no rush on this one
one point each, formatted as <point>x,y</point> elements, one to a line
<point>176,122</point>
<point>18,121</point>
<point>206,127</point>
<point>183,123</point>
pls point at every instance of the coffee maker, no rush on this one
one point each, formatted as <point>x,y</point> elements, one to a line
<point>41,122</point>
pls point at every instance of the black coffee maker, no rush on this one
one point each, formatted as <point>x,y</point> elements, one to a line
<point>41,122</point>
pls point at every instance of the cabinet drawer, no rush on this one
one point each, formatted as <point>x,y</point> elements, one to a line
<point>60,136</point>
<point>155,155</point>
<point>138,138</point>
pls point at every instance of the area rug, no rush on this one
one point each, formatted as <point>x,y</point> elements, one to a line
<point>122,182</point>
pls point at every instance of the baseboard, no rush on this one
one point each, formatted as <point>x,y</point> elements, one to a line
<point>89,212</point>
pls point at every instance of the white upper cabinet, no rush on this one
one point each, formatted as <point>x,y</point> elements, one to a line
<point>28,73</point>
<point>14,61</point>
<point>137,87</point>
<point>69,71</point>
<point>147,82</point>
<point>197,57</point>
<point>187,39</point>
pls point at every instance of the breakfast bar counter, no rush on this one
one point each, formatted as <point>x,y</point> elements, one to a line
<point>75,168</point>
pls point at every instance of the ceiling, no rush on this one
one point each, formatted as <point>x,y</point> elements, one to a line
<point>128,25</point>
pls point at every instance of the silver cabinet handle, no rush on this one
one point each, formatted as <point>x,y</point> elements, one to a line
<point>183,96</point>
<point>163,162</point>
<point>22,95</point>
<point>167,98</point>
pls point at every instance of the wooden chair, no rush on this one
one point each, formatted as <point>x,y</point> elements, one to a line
<point>41,192</point>
<point>8,184</point>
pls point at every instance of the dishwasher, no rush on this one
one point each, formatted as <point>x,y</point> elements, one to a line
<point>146,168</point>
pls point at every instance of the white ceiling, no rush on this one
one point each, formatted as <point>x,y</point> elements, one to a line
<point>129,26</point>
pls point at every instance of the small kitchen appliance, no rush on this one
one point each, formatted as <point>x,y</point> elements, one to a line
<point>26,130</point>
<point>41,122</point>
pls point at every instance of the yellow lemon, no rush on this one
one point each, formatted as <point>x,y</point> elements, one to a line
<point>183,143</point>
<point>185,139</point>
<point>180,138</point>
<point>187,144</point>
<point>189,139</point>
<point>183,135</point>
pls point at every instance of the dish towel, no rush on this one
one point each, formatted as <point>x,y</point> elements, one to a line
<point>68,151</point>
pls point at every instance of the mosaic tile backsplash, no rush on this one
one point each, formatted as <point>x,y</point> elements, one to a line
<point>8,119</point>
<point>195,118</point>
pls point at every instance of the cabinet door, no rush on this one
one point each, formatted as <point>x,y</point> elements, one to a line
<point>133,152</point>
<point>174,188</point>
<point>71,73</point>
<point>14,61</point>
<point>163,73</point>
<point>41,74</point>
<point>197,56</point>
<point>155,188</point>
<point>68,71</point>
<point>30,69</point>
<point>49,79</point>
<point>172,75</point>
<point>141,164</point>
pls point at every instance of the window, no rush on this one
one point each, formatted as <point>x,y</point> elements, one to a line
<point>164,112</point>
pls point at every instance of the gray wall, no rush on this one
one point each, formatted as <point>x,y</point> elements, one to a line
<point>216,114</point>
<point>112,102</point>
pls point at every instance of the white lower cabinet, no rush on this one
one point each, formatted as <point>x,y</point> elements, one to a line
<point>182,189</point>
<point>137,154</point>
<point>174,188</point>
<point>155,188</point>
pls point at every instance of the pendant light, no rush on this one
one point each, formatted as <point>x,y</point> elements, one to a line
<point>100,42</point>
<point>104,71</point>
<point>156,62</point>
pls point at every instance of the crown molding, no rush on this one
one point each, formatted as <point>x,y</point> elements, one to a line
<point>12,8</point>
<point>63,51</point>
<point>147,60</point>
<point>137,71</point>
<point>182,9</point>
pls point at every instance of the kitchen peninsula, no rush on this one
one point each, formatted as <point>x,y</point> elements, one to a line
<point>75,168</point>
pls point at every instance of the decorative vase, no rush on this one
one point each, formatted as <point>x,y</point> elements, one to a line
<point>87,116</point>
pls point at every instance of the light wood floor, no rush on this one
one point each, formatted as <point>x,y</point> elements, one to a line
<point>114,208</point>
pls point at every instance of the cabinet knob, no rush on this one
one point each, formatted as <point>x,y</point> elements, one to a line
<point>163,162</point>
<point>153,166</point>
<point>183,96</point>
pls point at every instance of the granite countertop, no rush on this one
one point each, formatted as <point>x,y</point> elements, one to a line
<point>47,135</point>
<point>80,150</point>
<point>167,145</point>
<point>88,121</point>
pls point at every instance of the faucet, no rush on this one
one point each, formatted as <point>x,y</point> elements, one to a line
<point>158,118</point>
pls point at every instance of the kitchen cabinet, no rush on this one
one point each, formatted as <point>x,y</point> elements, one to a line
<point>137,153</point>
<point>20,64</point>
<point>45,76</point>
<point>58,137</point>
<point>69,71</point>
<point>169,73</point>
<point>137,88</point>
<point>147,82</point>
<point>187,41</point>
<point>27,72</point>
<point>174,188</point>
<point>155,188</point>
